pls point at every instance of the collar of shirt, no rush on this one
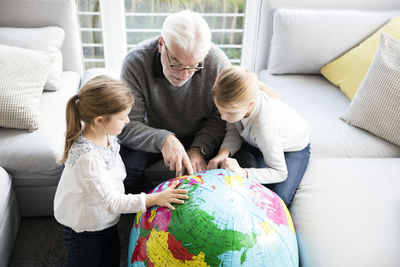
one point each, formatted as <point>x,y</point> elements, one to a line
<point>157,69</point>
<point>255,111</point>
<point>82,145</point>
<point>244,122</point>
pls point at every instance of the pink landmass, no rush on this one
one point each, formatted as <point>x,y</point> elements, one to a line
<point>271,204</point>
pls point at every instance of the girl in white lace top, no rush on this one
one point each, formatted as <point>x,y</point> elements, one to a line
<point>90,195</point>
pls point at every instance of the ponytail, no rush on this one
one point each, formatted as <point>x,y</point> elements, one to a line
<point>269,91</point>
<point>74,126</point>
<point>101,96</point>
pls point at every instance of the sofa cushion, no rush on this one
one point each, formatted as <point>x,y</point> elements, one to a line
<point>31,157</point>
<point>321,104</point>
<point>41,13</point>
<point>303,40</point>
<point>23,73</point>
<point>48,39</point>
<point>349,70</point>
<point>346,213</point>
<point>376,105</point>
<point>94,72</point>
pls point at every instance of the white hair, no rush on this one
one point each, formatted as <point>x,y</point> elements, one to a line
<point>188,30</point>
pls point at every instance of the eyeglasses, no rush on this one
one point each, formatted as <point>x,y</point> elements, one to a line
<point>181,67</point>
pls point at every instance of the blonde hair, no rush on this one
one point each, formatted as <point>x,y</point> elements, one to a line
<point>188,30</point>
<point>101,96</point>
<point>236,86</point>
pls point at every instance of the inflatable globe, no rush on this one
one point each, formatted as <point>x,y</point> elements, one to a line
<point>227,221</point>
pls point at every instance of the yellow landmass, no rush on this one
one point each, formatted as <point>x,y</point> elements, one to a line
<point>159,253</point>
<point>288,217</point>
<point>234,180</point>
<point>138,215</point>
<point>266,227</point>
<point>153,214</point>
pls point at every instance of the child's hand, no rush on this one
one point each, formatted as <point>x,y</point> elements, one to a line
<point>167,197</point>
<point>215,162</point>
<point>233,165</point>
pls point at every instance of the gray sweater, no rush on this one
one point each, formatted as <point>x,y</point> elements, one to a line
<point>161,108</point>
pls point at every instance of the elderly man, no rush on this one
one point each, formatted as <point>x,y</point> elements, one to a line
<point>174,117</point>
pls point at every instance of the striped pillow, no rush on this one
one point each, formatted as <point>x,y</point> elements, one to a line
<point>376,104</point>
<point>23,73</point>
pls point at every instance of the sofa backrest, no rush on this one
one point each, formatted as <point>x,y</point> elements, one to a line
<point>258,23</point>
<point>40,13</point>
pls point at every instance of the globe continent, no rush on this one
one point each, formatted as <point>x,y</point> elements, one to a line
<point>227,221</point>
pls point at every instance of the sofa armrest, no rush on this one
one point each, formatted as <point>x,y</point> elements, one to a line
<point>91,73</point>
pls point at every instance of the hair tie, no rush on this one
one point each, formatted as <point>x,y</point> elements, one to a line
<point>76,99</point>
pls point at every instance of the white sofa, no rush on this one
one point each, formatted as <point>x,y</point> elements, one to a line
<point>29,157</point>
<point>9,217</point>
<point>346,209</point>
<point>29,173</point>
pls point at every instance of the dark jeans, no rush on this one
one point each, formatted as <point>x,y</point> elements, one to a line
<point>136,162</point>
<point>296,162</point>
<point>99,248</point>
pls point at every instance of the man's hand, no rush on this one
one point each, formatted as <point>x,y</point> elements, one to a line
<point>215,162</point>
<point>175,156</point>
<point>233,165</point>
<point>197,159</point>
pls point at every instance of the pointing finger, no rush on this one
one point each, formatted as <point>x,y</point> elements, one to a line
<point>188,164</point>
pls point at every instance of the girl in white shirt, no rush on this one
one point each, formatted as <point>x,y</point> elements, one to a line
<point>90,195</point>
<point>276,148</point>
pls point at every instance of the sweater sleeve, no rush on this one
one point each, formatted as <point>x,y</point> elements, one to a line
<point>211,133</point>
<point>91,169</point>
<point>232,140</point>
<point>271,148</point>
<point>137,134</point>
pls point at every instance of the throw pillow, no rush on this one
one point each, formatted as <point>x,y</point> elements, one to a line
<point>49,39</point>
<point>304,40</point>
<point>376,105</point>
<point>23,73</point>
<point>348,71</point>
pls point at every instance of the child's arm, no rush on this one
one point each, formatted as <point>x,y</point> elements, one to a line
<point>270,145</point>
<point>167,197</point>
<point>91,169</point>
<point>232,140</point>
<point>230,145</point>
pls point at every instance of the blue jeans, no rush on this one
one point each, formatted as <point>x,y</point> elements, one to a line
<point>296,162</point>
<point>136,162</point>
<point>99,248</point>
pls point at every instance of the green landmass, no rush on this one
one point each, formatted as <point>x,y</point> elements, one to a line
<point>194,228</point>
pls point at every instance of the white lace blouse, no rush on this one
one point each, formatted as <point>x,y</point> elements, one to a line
<point>90,195</point>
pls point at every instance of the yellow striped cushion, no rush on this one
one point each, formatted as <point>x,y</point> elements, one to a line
<point>348,70</point>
